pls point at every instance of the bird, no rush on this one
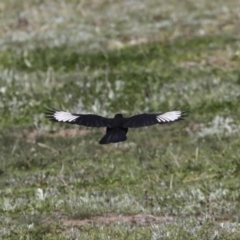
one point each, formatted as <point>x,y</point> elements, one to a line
<point>117,127</point>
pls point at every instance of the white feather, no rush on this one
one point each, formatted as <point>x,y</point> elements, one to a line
<point>62,116</point>
<point>169,116</point>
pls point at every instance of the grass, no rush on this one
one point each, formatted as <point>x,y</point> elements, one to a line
<point>178,181</point>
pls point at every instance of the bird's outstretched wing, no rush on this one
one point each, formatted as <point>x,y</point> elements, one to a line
<point>143,120</point>
<point>88,120</point>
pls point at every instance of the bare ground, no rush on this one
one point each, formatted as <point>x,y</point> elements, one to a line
<point>140,219</point>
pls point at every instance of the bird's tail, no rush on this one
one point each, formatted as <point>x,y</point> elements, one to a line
<point>114,136</point>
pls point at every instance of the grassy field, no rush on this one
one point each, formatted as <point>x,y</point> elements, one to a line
<point>178,181</point>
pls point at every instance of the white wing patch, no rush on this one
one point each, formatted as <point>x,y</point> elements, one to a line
<point>169,116</point>
<point>62,116</point>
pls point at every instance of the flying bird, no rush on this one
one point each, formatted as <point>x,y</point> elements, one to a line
<point>117,127</point>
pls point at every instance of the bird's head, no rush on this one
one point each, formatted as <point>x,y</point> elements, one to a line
<point>118,115</point>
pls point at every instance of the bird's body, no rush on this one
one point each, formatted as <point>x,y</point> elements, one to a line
<point>117,127</point>
<point>115,133</point>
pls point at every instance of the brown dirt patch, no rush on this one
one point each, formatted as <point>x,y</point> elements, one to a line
<point>30,136</point>
<point>140,219</point>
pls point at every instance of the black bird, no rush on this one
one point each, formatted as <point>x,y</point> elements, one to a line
<point>117,127</point>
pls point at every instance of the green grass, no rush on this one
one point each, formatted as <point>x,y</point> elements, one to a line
<point>178,181</point>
